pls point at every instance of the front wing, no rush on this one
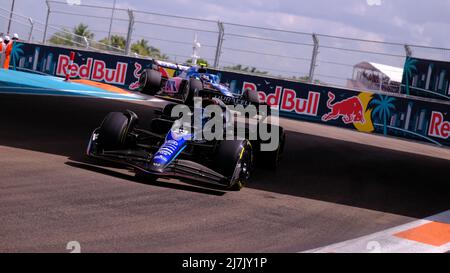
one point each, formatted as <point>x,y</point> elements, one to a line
<point>141,160</point>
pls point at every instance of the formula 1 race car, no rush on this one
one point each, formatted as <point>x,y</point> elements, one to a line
<point>194,81</point>
<point>165,150</point>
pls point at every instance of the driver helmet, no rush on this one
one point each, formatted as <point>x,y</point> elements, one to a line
<point>204,77</point>
<point>226,114</point>
<point>201,69</point>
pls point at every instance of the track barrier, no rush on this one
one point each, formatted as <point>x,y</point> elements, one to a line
<point>408,117</point>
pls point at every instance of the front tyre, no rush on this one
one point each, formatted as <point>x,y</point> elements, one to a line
<point>234,159</point>
<point>113,131</point>
<point>271,159</point>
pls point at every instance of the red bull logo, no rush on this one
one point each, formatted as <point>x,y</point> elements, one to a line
<point>351,110</point>
<point>95,70</point>
<point>136,73</point>
<point>439,127</point>
<point>286,100</point>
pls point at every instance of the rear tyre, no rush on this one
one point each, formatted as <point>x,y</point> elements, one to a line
<point>271,159</point>
<point>234,159</point>
<point>113,131</point>
<point>193,86</point>
<point>150,81</point>
<point>251,96</point>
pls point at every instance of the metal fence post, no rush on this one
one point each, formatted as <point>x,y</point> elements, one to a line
<point>30,34</point>
<point>44,39</point>
<point>10,17</point>
<point>408,51</point>
<point>219,44</point>
<point>314,58</point>
<point>130,31</point>
<point>86,42</point>
<point>111,21</point>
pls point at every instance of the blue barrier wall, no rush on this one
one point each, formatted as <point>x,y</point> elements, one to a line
<point>118,70</point>
<point>390,115</point>
<point>426,78</point>
<point>387,114</point>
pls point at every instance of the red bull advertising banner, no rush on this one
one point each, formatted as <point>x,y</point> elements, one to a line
<point>426,78</point>
<point>382,113</point>
<point>388,114</point>
<point>122,71</point>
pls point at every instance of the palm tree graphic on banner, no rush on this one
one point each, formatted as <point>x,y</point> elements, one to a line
<point>16,52</point>
<point>383,106</point>
<point>410,67</point>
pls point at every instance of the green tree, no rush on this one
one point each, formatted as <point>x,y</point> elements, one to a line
<point>199,62</point>
<point>305,79</point>
<point>62,38</point>
<point>383,106</point>
<point>142,47</point>
<point>247,69</point>
<point>71,38</point>
<point>116,41</point>
<point>80,31</point>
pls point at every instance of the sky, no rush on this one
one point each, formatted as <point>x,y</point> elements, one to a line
<point>402,21</point>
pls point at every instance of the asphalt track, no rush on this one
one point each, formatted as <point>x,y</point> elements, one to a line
<point>326,191</point>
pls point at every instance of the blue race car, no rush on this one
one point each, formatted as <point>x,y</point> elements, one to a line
<point>165,150</point>
<point>194,81</point>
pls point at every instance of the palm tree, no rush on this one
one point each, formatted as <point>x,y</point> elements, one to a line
<point>63,37</point>
<point>69,38</point>
<point>82,31</point>
<point>163,57</point>
<point>410,67</point>
<point>116,41</point>
<point>383,106</point>
<point>239,67</point>
<point>17,51</point>
<point>142,47</point>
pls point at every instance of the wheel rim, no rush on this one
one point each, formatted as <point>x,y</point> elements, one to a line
<point>186,93</point>
<point>246,166</point>
<point>243,168</point>
<point>143,79</point>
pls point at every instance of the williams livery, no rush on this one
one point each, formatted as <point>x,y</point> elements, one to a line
<point>167,149</point>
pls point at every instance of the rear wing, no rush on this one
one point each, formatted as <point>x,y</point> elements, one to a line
<point>178,68</point>
<point>235,100</point>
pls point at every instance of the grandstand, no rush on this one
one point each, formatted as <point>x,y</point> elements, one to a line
<point>376,77</point>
